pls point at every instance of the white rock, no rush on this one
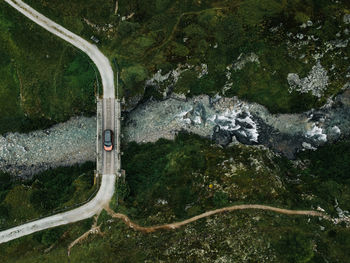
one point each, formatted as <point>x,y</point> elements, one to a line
<point>316,133</point>
<point>308,146</point>
<point>316,82</point>
<point>242,61</point>
<point>336,129</point>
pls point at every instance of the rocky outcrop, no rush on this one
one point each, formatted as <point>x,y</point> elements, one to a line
<point>316,82</point>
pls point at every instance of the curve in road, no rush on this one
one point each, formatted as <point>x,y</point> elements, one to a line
<point>101,61</point>
<point>106,191</point>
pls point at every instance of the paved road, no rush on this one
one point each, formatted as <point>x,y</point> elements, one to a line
<point>106,191</point>
<point>100,201</point>
<point>92,51</point>
<point>108,123</point>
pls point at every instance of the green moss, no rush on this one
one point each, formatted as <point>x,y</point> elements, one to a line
<point>48,191</point>
<point>193,176</point>
<point>44,80</point>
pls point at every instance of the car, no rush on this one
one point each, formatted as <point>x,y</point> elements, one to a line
<point>108,140</point>
<point>95,39</point>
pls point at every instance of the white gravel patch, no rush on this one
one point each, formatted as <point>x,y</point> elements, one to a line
<point>242,60</point>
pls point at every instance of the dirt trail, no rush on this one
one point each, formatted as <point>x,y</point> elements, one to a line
<point>95,230</point>
<point>175,225</point>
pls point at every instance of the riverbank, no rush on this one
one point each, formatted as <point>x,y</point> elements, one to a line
<point>227,121</point>
<point>230,121</point>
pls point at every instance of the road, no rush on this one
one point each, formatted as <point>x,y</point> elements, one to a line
<point>100,60</point>
<point>108,123</point>
<point>106,191</point>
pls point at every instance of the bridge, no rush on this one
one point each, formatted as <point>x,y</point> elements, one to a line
<point>108,117</point>
<point>108,164</point>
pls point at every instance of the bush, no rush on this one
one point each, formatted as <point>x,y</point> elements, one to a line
<point>126,28</point>
<point>295,247</point>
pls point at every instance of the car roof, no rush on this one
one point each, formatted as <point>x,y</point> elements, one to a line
<point>108,135</point>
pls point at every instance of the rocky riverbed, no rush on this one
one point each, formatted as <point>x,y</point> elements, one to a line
<point>230,120</point>
<point>226,121</point>
<point>64,144</point>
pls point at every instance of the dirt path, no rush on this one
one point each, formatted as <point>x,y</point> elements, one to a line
<point>106,189</point>
<point>175,225</point>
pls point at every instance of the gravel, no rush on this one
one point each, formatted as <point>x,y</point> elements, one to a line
<point>64,144</point>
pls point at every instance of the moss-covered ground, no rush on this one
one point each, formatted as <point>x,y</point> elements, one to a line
<point>173,180</point>
<point>43,79</point>
<point>150,35</point>
<point>53,190</point>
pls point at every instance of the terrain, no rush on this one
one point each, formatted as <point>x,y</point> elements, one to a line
<point>246,126</point>
<point>166,183</point>
<point>204,45</point>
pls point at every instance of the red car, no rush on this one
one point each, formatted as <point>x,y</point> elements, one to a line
<point>108,140</point>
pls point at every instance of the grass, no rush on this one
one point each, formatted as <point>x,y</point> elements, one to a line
<point>180,172</point>
<point>46,192</point>
<point>152,38</point>
<point>44,80</point>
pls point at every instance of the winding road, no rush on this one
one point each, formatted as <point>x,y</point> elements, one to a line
<point>106,191</point>
<point>110,120</point>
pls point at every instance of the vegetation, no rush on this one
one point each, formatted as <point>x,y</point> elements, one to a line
<point>43,79</point>
<point>189,175</point>
<point>147,36</point>
<point>323,176</point>
<point>47,191</point>
<point>172,180</point>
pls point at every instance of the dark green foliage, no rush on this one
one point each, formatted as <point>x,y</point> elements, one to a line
<point>127,28</point>
<point>55,187</point>
<point>255,12</point>
<point>184,173</point>
<point>324,177</point>
<point>220,199</point>
<point>51,236</point>
<point>48,191</point>
<point>295,247</point>
<point>150,169</point>
<point>43,79</point>
<point>4,213</point>
<point>330,162</point>
<point>5,186</point>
